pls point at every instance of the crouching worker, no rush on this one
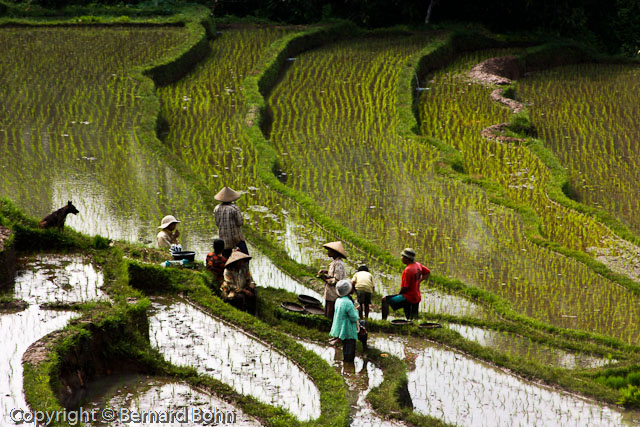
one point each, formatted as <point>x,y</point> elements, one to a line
<point>238,287</point>
<point>345,321</point>
<point>215,261</point>
<point>409,296</point>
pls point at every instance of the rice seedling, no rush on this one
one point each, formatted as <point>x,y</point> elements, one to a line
<point>139,394</point>
<point>189,337</point>
<point>525,347</point>
<point>334,113</point>
<point>587,114</point>
<point>468,392</point>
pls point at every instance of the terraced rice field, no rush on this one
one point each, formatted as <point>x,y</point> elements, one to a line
<point>69,131</point>
<point>587,114</point>
<point>334,132</point>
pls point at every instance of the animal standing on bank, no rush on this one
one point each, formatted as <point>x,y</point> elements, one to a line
<point>57,218</point>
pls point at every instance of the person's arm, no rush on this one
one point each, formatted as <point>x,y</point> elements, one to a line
<point>425,272</point>
<point>164,241</point>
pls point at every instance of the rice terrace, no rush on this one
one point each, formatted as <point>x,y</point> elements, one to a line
<point>496,148</point>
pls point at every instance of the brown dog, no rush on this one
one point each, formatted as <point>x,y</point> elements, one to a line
<point>57,218</point>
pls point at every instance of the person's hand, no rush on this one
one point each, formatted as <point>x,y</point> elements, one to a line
<point>322,274</point>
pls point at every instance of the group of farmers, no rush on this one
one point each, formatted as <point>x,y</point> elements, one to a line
<point>229,262</point>
<point>340,308</point>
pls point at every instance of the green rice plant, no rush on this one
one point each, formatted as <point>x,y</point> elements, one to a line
<point>587,114</point>
<point>68,132</point>
<point>333,120</point>
<point>455,110</point>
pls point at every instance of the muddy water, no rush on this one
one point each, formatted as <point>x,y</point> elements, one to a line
<point>188,337</point>
<point>138,393</point>
<point>361,378</point>
<point>43,279</point>
<point>17,332</point>
<point>60,279</point>
<point>464,391</point>
<point>521,346</point>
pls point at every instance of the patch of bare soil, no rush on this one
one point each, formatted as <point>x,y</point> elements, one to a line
<point>622,257</point>
<point>496,71</point>
<point>512,104</point>
<point>494,132</point>
<point>13,306</point>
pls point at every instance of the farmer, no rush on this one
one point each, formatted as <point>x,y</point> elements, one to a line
<point>409,296</point>
<point>333,275</point>
<point>229,221</point>
<point>363,282</point>
<point>215,261</point>
<point>345,320</point>
<point>238,287</point>
<point>168,234</point>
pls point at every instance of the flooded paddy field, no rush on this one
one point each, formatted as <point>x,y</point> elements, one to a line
<point>188,337</point>
<point>42,279</point>
<point>86,148</point>
<point>361,377</point>
<point>511,343</point>
<point>463,391</point>
<point>587,114</point>
<point>140,393</point>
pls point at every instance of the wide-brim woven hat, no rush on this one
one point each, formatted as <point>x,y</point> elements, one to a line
<point>235,257</point>
<point>167,221</point>
<point>409,253</point>
<point>343,287</point>
<point>336,246</point>
<point>227,195</point>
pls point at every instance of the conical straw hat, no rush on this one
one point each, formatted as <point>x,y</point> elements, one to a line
<point>336,246</point>
<point>236,256</point>
<point>227,195</point>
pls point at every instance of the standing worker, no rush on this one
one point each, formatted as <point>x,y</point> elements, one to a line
<point>168,234</point>
<point>345,322</point>
<point>229,221</point>
<point>363,282</point>
<point>409,296</point>
<point>335,273</point>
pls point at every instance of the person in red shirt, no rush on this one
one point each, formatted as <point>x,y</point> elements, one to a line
<point>409,295</point>
<point>215,260</point>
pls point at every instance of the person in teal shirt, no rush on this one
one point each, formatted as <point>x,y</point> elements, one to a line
<point>345,321</point>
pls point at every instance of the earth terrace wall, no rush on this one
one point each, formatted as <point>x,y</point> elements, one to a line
<point>59,367</point>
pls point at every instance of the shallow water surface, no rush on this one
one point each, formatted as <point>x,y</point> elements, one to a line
<point>521,346</point>
<point>464,391</point>
<point>17,332</point>
<point>188,337</point>
<point>138,393</point>
<point>58,279</point>
<point>361,379</point>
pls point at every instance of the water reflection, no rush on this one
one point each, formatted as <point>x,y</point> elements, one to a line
<point>188,337</point>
